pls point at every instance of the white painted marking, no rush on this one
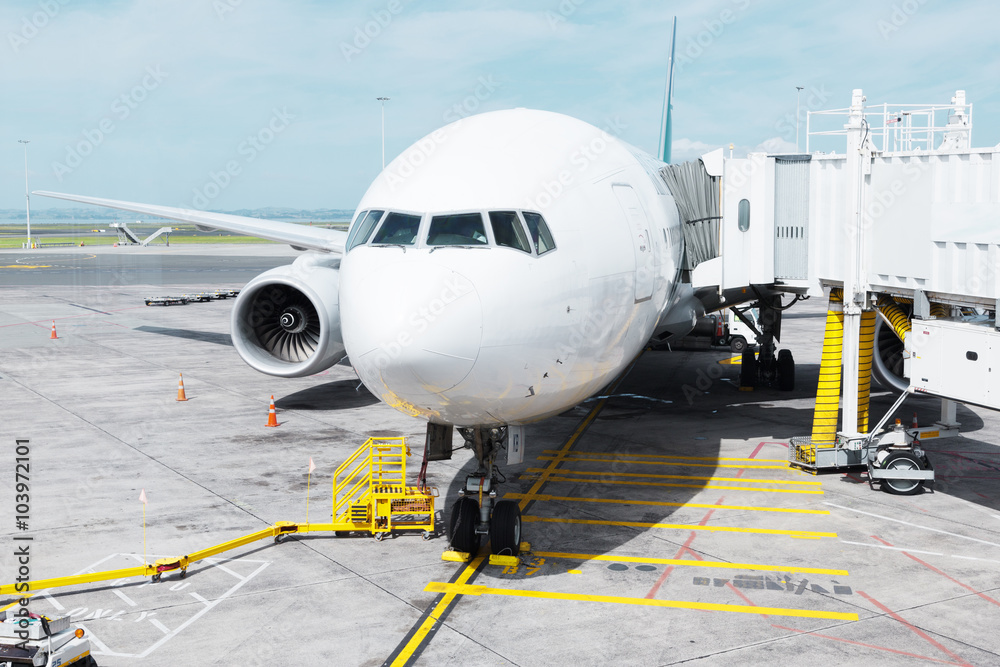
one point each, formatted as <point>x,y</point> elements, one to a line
<point>203,611</point>
<point>156,623</point>
<point>227,570</point>
<point>988,560</point>
<point>124,597</point>
<point>54,602</point>
<point>914,525</point>
<point>198,597</point>
<point>883,546</point>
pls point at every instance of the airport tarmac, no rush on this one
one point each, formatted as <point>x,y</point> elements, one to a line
<point>664,524</point>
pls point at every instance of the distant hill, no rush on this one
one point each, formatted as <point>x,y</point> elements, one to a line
<point>269,213</point>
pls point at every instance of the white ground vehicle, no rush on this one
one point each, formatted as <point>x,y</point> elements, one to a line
<point>41,641</point>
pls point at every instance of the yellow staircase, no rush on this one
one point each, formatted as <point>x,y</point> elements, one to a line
<point>370,492</point>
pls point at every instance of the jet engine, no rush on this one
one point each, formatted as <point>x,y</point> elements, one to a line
<point>286,321</point>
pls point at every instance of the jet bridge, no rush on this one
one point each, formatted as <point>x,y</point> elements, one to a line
<point>900,230</point>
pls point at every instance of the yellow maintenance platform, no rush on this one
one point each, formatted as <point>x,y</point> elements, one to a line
<point>369,495</point>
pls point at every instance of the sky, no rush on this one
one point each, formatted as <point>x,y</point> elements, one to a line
<point>230,104</point>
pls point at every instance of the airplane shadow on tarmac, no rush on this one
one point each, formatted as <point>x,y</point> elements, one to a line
<point>654,412</point>
<point>339,395</point>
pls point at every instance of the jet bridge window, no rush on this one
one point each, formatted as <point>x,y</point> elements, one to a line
<point>508,232</point>
<point>398,229</point>
<point>459,229</point>
<point>540,234</point>
<point>363,228</point>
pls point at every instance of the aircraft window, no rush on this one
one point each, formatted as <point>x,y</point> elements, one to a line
<point>398,229</point>
<point>363,228</point>
<point>539,232</point>
<point>460,229</point>
<point>507,230</point>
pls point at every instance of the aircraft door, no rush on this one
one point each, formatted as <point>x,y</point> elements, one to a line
<point>642,243</point>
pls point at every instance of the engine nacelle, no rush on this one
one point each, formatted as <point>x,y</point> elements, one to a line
<point>286,321</point>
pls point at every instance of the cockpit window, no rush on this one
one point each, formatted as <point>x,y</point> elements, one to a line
<point>398,229</point>
<point>507,230</point>
<point>460,229</point>
<point>363,228</point>
<point>540,234</point>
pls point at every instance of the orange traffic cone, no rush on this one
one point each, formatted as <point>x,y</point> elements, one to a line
<point>181,396</point>
<point>272,416</point>
<point>53,336</point>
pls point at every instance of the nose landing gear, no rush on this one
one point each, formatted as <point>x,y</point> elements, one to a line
<point>477,512</point>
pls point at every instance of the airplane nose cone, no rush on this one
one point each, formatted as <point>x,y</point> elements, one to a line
<point>419,327</point>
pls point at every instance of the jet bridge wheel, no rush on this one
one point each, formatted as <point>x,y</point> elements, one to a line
<point>786,370</point>
<point>505,528</point>
<point>902,461</point>
<point>462,525</point>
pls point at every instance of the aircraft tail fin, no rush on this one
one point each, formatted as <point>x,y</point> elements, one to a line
<point>666,129</point>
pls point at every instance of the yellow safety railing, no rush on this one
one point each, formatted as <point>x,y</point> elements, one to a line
<point>382,462</point>
<point>374,475</point>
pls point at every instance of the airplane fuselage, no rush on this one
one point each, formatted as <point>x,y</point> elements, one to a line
<point>485,332</point>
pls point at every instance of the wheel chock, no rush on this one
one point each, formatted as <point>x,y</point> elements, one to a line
<point>456,556</point>
<point>746,388</point>
<point>525,547</point>
<point>505,561</point>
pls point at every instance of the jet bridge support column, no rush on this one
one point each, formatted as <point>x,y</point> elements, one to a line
<point>855,279</point>
<point>824,429</point>
<point>866,349</point>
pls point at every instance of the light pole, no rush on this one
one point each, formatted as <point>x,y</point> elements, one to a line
<point>798,93</point>
<point>383,100</point>
<point>27,199</point>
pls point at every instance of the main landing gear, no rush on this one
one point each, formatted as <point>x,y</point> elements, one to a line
<point>477,513</point>
<point>764,368</point>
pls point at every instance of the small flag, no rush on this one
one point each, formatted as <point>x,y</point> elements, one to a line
<point>142,497</point>
<point>312,466</point>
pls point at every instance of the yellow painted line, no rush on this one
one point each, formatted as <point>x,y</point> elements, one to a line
<point>26,266</point>
<point>18,600</point>
<point>735,361</point>
<point>420,635</point>
<point>573,459</point>
<point>616,456</point>
<point>692,562</point>
<point>440,587</point>
<point>428,624</point>
<point>713,479</point>
<point>682,526</point>
<point>661,503</point>
<point>814,492</point>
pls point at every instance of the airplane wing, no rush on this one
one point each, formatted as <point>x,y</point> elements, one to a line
<point>298,236</point>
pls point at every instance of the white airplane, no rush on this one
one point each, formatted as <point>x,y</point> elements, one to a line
<point>501,270</point>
